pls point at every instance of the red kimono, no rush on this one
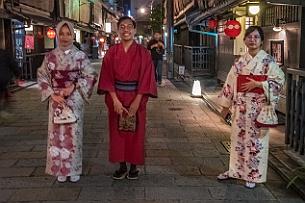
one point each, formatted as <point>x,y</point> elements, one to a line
<point>135,65</point>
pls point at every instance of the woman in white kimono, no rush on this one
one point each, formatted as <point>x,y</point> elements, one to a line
<point>65,79</point>
<point>249,143</point>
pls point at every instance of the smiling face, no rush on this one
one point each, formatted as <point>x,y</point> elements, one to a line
<point>253,41</point>
<point>126,30</point>
<point>65,36</point>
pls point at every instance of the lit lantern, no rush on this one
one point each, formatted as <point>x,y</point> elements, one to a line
<point>232,28</point>
<point>51,33</point>
<point>212,23</point>
<point>102,40</point>
<point>196,90</point>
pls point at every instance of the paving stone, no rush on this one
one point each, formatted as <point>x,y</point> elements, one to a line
<point>23,155</point>
<point>4,148</point>
<point>239,192</point>
<point>31,163</point>
<point>7,163</point>
<point>174,193</point>
<point>26,182</point>
<point>15,172</point>
<point>113,193</point>
<point>46,194</point>
<point>5,195</point>
<point>158,161</point>
<point>39,171</point>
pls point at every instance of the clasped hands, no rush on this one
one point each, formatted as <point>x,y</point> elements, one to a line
<point>120,109</point>
<point>62,94</point>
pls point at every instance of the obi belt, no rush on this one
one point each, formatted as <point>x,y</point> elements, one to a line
<point>64,78</point>
<point>126,85</point>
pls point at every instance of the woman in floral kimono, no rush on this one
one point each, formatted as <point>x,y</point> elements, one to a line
<point>66,80</point>
<point>249,143</point>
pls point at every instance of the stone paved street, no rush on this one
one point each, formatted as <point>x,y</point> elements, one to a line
<point>183,156</point>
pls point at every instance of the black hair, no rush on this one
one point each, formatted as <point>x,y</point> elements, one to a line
<point>252,29</point>
<point>127,18</point>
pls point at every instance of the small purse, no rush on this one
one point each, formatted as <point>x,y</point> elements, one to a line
<point>127,123</point>
<point>267,117</point>
<point>63,114</point>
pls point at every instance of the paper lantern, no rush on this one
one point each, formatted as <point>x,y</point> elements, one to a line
<point>51,33</point>
<point>212,23</point>
<point>196,90</point>
<point>232,28</point>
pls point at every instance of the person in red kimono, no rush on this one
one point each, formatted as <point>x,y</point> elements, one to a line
<point>127,79</point>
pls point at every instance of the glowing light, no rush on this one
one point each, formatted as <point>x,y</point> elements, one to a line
<point>142,10</point>
<point>196,90</point>
<point>254,9</point>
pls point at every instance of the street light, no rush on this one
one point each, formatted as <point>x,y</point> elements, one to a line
<point>142,10</point>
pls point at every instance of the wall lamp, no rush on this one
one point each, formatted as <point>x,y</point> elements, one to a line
<point>253,9</point>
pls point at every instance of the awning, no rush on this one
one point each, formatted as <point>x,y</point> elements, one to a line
<point>84,28</point>
<point>222,7</point>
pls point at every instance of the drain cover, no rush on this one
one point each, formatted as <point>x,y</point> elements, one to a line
<point>226,145</point>
<point>175,109</point>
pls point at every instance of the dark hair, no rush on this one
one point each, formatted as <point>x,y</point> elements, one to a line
<point>127,18</point>
<point>252,29</point>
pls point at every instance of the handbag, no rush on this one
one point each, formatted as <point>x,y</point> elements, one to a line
<point>127,123</point>
<point>63,114</point>
<point>267,117</point>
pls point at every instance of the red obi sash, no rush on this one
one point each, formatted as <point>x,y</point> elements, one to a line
<point>241,79</point>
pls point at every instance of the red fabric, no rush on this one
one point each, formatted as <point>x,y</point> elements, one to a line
<point>133,65</point>
<point>241,79</point>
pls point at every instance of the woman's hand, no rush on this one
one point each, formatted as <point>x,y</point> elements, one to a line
<point>248,86</point>
<point>118,107</point>
<point>58,99</point>
<point>134,108</point>
<point>135,105</point>
<point>66,92</point>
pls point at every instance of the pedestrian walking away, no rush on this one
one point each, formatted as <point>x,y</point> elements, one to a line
<point>249,142</point>
<point>127,80</point>
<point>156,47</point>
<point>8,69</point>
<point>66,81</point>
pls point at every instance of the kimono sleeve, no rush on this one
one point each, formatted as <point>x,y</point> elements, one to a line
<point>87,79</point>
<point>274,84</point>
<point>225,98</point>
<point>44,81</point>
<point>147,83</point>
<point>106,78</point>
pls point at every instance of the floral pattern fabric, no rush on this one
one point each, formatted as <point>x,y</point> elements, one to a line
<point>250,144</point>
<point>59,70</point>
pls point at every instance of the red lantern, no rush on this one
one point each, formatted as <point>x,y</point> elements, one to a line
<point>102,40</point>
<point>51,33</point>
<point>212,23</point>
<point>232,28</point>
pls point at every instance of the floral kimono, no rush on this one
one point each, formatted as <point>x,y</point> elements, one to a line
<point>60,69</point>
<point>250,144</point>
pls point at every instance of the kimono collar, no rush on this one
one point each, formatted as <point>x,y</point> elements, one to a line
<point>259,55</point>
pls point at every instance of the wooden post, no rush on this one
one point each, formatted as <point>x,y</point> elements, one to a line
<point>302,39</point>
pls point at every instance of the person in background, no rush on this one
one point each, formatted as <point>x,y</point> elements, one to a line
<point>156,47</point>
<point>249,142</point>
<point>127,80</point>
<point>66,81</point>
<point>8,70</point>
